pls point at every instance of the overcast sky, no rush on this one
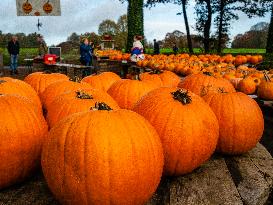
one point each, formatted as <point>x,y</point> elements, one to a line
<point>85,15</point>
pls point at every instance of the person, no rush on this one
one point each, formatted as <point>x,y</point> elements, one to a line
<point>156,47</point>
<point>14,50</point>
<point>42,46</point>
<point>137,50</point>
<point>86,56</point>
<point>175,49</point>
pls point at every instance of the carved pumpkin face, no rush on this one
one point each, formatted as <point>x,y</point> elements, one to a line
<point>48,7</point>
<point>27,7</point>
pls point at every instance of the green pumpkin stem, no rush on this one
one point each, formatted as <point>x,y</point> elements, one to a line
<point>82,95</point>
<point>182,96</point>
<point>101,106</point>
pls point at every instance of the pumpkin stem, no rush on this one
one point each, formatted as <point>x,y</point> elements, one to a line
<point>222,90</point>
<point>205,90</point>
<point>207,73</point>
<point>76,79</point>
<point>267,78</point>
<point>182,96</point>
<point>155,72</point>
<point>82,95</point>
<point>101,106</point>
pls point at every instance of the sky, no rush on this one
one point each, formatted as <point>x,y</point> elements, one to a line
<point>82,16</point>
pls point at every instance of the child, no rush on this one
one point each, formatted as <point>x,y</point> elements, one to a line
<point>137,50</point>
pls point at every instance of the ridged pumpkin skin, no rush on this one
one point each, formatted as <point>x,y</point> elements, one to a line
<point>247,86</point>
<point>198,83</point>
<point>18,87</point>
<point>103,157</point>
<point>102,81</point>
<point>23,130</point>
<point>128,92</point>
<point>152,78</point>
<point>265,90</point>
<point>71,102</point>
<point>40,81</point>
<point>240,120</point>
<point>59,88</point>
<point>189,132</point>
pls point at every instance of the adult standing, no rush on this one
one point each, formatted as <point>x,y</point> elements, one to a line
<point>175,49</point>
<point>156,47</point>
<point>86,56</point>
<point>42,46</point>
<point>14,50</point>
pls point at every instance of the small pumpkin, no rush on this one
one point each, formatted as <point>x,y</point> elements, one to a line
<point>247,86</point>
<point>40,81</point>
<point>128,92</point>
<point>187,126</point>
<point>76,101</point>
<point>27,7</point>
<point>265,89</point>
<point>103,156</point>
<point>240,120</point>
<point>23,131</point>
<point>102,81</point>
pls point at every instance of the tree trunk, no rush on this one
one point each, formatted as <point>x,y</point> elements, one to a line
<point>269,47</point>
<point>135,21</point>
<point>220,29</point>
<point>207,27</point>
<point>187,26</point>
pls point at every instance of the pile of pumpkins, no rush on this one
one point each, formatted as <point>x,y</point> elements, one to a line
<point>107,140</point>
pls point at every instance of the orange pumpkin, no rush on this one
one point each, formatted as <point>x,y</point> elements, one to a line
<point>103,157</point>
<point>240,120</point>
<point>59,88</point>
<point>77,101</point>
<point>18,87</point>
<point>40,81</point>
<point>102,81</point>
<point>235,82</point>
<point>265,89</point>
<point>22,134</point>
<point>186,125</point>
<point>128,92</point>
<point>247,86</point>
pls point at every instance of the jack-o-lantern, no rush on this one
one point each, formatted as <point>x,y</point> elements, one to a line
<point>47,7</point>
<point>27,7</point>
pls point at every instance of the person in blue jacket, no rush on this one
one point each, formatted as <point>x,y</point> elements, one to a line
<point>86,56</point>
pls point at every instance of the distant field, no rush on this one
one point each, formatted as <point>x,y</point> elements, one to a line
<point>74,56</point>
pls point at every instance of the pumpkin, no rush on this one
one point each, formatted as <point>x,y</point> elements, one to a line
<point>265,89</point>
<point>47,8</point>
<point>40,81</point>
<point>128,92</point>
<point>18,87</point>
<point>201,83</point>
<point>76,101</point>
<point>103,156</point>
<point>152,78</point>
<point>22,133</point>
<point>27,7</point>
<point>186,125</point>
<point>240,120</point>
<point>247,86</point>
<point>235,82</point>
<point>102,81</point>
<point>59,88</point>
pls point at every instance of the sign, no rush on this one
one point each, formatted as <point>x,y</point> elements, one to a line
<point>55,50</point>
<point>38,7</point>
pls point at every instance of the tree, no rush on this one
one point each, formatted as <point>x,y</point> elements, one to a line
<point>183,3</point>
<point>269,47</point>
<point>176,37</point>
<point>122,31</point>
<point>74,37</point>
<point>108,27</point>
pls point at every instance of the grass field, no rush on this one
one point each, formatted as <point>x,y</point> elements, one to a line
<point>73,56</point>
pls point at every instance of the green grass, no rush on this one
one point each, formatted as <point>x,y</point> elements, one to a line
<point>24,53</point>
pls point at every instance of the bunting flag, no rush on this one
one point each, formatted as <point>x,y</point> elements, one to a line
<point>38,7</point>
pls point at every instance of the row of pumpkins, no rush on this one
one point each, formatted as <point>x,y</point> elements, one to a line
<point>110,140</point>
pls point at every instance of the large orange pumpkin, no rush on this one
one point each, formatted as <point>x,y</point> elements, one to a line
<point>265,89</point>
<point>198,84</point>
<point>186,125</point>
<point>103,157</point>
<point>240,120</point>
<point>22,133</point>
<point>128,92</point>
<point>59,88</point>
<point>40,81</point>
<point>102,81</point>
<point>18,87</point>
<point>76,101</point>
